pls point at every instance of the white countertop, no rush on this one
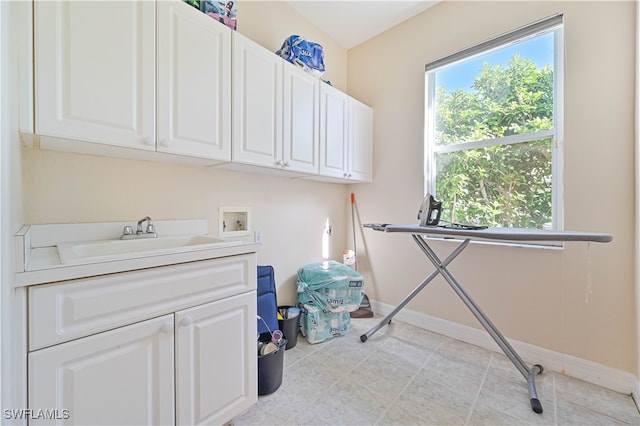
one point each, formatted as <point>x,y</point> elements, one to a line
<point>38,262</point>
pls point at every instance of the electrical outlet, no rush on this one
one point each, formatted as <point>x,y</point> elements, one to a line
<point>258,236</point>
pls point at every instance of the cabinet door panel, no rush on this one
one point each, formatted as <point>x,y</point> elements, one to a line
<point>301,114</point>
<point>257,104</point>
<point>333,132</point>
<point>194,83</point>
<point>216,360</point>
<point>119,377</point>
<point>361,141</point>
<point>95,80</point>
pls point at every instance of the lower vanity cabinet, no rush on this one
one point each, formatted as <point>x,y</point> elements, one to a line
<point>123,376</point>
<point>190,359</point>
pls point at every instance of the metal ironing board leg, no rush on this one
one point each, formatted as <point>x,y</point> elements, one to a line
<point>441,269</point>
<point>528,373</point>
<point>386,320</point>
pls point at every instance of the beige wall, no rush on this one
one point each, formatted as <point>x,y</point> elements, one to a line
<point>578,301</point>
<point>66,188</point>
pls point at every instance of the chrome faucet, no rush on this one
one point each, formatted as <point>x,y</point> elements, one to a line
<point>149,232</point>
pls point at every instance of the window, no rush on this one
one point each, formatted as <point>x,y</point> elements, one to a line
<point>493,130</point>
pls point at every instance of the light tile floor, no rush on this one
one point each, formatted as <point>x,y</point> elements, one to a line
<point>404,375</point>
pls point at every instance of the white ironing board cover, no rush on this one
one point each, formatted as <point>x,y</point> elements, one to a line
<point>501,234</point>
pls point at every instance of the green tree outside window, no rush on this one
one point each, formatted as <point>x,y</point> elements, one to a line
<point>500,185</point>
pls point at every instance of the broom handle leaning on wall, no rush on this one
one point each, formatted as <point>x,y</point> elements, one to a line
<point>353,225</point>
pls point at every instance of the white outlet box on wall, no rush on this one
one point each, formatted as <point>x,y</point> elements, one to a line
<point>234,222</point>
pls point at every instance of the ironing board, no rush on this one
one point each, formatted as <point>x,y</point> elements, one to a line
<point>418,233</point>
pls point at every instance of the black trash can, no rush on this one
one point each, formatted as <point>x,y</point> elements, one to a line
<point>270,366</point>
<point>289,325</point>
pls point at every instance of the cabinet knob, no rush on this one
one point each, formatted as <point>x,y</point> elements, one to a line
<point>186,321</point>
<point>286,164</point>
<point>279,163</point>
<point>166,327</point>
<point>165,142</point>
<point>148,141</point>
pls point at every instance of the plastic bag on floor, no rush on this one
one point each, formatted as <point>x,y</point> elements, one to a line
<point>317,325</point>
<point>331,286</point>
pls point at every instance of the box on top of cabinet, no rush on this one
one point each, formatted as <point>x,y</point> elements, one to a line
<point>225,12</point>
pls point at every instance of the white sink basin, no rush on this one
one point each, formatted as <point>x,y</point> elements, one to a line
<point>104,250</point>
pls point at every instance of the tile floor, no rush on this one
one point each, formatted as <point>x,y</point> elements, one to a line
<point>404,375</point>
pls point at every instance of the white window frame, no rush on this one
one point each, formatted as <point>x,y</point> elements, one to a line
<point>552,24</point>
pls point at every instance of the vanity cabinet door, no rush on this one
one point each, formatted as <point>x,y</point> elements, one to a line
<point>194,83</point>
<point>119,377</point>
<point>216,360</point>
<point>94,65</point>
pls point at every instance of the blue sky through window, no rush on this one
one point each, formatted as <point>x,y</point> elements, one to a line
<point>461,75</point>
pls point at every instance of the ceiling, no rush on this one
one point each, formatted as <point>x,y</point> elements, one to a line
<point>352,22</point>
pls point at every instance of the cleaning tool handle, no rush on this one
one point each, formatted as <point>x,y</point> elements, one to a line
<point>353,225</point>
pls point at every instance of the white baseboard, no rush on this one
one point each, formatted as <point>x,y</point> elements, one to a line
<point>589,371</point>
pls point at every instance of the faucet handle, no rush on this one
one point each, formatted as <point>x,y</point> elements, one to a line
<point>128,230</point>
<point>151,229</point>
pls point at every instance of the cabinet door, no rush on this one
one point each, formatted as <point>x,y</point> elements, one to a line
<point>334,109</point>
<point>216,360</point>
<point>257,104</point>
<point>301,105</point>
<point>119,377</point>
<point>95,71</point>
<point>360,141</point>
<point>194,83</point>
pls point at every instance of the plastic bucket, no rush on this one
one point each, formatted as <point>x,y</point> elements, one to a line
<point>270,366</point>
<point>289,326</point>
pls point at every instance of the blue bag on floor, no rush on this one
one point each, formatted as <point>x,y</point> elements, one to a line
<point>267,303</point>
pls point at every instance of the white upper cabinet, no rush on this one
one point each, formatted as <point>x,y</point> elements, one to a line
<point>162,80</point>
<point>95,71</point>
<point>275,111</point>
<point>96,81</point>
<point>346,136</point>
<point>194,83</point>
<point>334,132</point>
<point>360,141</point>
<point>301,106</point>
<point>257,104</point>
